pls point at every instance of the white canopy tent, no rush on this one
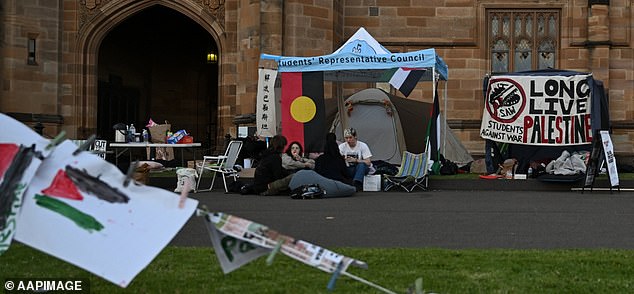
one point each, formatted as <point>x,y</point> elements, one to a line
<point>362,59</point>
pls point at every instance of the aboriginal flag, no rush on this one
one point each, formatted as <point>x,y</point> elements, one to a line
<point>303,109</point>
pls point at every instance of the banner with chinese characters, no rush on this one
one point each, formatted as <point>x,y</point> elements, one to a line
<point>266,107</point>
<point>538,110</point>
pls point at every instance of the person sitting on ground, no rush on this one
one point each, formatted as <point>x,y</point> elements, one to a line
<point>331,164</point>
<point>270,178</point>
<point>330,172</point>
<point>357,155</point>
<point>293,159</point>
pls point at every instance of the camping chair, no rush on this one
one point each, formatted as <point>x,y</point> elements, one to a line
<point>411,174</point>
<point>221,164</point>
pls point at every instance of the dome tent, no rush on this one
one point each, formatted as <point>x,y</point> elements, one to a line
<point>391,125</point>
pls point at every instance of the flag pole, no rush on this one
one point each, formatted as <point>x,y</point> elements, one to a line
<point>364,281</point>
<point>444,135</point>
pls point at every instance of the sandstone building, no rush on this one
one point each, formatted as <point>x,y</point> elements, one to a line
<point>83,65</point>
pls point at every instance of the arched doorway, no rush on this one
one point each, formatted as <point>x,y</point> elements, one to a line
<point>153,66</point>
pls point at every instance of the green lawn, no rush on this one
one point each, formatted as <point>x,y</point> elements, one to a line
<point>196,270</point>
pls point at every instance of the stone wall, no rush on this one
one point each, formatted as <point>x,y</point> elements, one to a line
<point>31,88</point>
<point>596,39</point>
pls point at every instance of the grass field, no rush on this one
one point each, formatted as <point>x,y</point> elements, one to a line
<point>196,270</point>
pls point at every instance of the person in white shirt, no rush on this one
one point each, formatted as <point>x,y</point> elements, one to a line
<point>357,155</point>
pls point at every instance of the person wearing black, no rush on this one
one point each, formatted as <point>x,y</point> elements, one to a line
<point>270,178</point>
<point>331,164</point>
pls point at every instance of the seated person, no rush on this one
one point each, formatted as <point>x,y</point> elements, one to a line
<point>331,164</point>
<point>293,159</point>
<point>270,178</point>
<point>357,155</point>
<point>330,172</point>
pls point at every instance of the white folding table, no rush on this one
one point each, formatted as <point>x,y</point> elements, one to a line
<point>121,148</point>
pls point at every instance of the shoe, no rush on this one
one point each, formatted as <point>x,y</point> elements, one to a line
<point>358,185</point>
<point>246,190</point>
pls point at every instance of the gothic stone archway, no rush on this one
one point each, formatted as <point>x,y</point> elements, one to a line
<point>98,20</point>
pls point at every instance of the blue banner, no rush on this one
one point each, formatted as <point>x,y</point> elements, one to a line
<point>350,61</point>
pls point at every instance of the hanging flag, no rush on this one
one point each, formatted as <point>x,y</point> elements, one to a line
<point>266,111</point>
<point>257,235</point>
<point>433,131</point>
<point>303,109</point>
<point>405,79</point>
<point>238,241</point>
<point>233,253</point>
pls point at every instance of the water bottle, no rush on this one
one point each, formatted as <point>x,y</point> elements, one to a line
<point>145,136</point>
<point>131,133</point>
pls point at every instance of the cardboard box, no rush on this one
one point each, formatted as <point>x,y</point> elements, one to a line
<point>372,183</point>
<point>247,173</point>
<point>194,164</point>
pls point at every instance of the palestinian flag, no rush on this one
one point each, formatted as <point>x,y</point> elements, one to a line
<point>63,186</point>
<point>433,131</point>
<point>7,154</point>
<point>405,79</point>
<point>303,109</point>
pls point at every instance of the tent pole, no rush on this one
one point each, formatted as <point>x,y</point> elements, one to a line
<point>444,135</point>
<point>343,112</point>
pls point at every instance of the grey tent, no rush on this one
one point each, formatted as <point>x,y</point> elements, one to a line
<point>391,125</point>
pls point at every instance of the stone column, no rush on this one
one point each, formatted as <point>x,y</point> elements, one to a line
<point>598,42</point>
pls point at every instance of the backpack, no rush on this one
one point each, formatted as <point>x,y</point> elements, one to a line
<point>447,167</point>
<point>235,187</point>
<point>384,168</point>
<point>312,191</point>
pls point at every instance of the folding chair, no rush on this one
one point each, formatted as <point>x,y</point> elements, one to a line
<point>221,164</point>
<point>411,174</point>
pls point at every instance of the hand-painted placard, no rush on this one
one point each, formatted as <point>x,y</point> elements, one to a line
<point>77,209</point>
<point>608,151</point>
<point>21,151</point>
<point>538,110</point>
